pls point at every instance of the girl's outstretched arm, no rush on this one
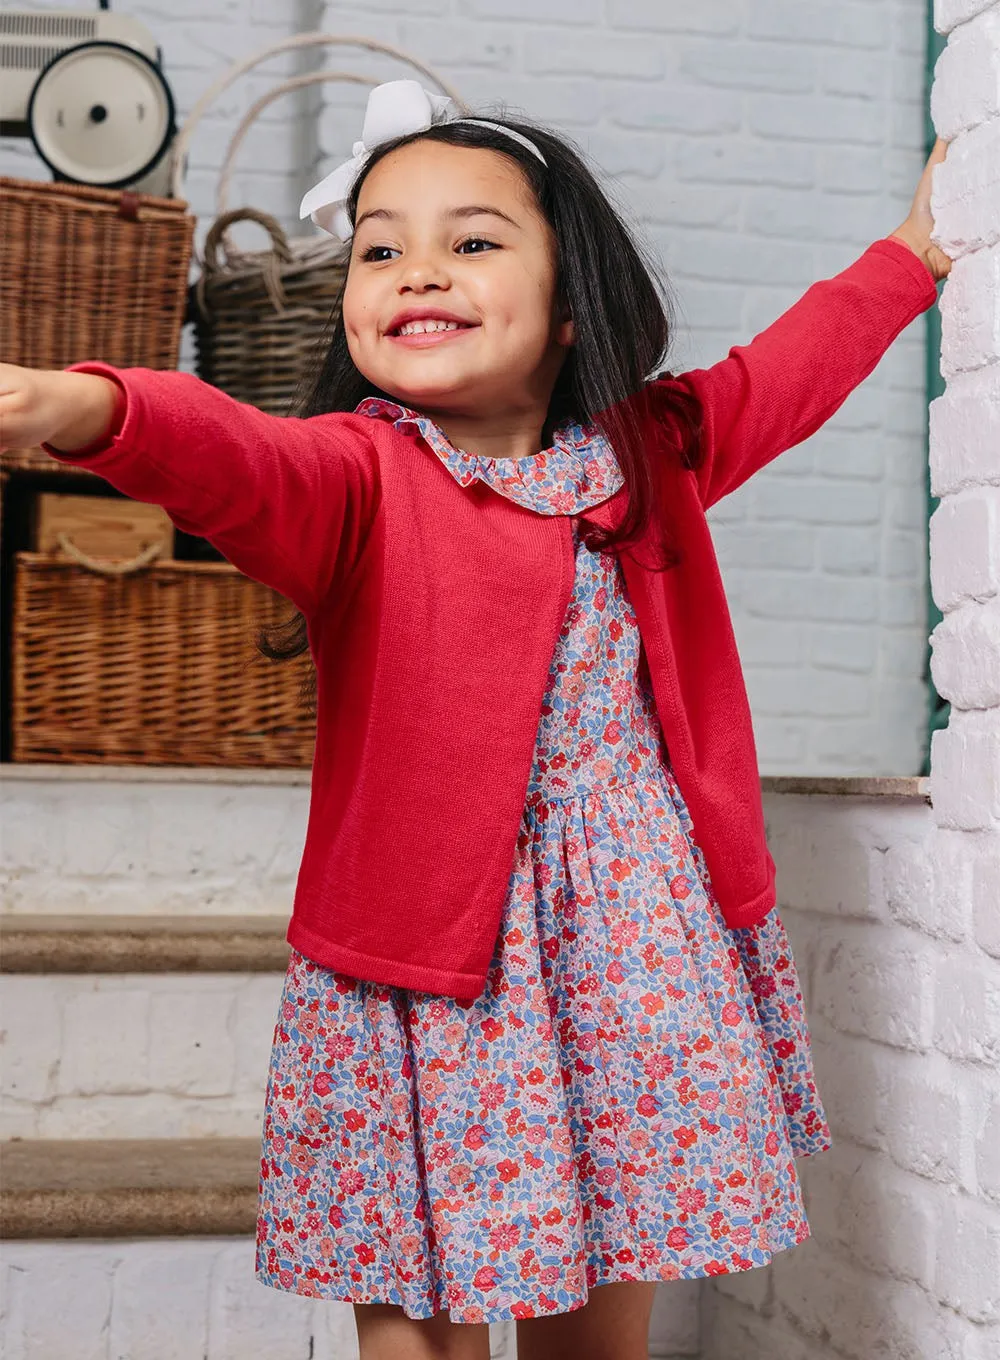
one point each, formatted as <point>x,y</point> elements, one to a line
<point>780,388</point>
<point>286,500</point>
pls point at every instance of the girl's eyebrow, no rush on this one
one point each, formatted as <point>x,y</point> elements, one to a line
<point>471,210</point>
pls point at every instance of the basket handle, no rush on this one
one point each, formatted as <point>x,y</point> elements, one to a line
<point>217,233</point>
<point>94,564</point>
<point>273,259</point>
<point>183,139</point>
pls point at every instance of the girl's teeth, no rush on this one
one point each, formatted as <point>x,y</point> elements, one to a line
<point>425,327</point>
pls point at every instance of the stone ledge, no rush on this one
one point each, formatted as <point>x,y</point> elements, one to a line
<point>853,786</point>
<point>850,786</point>
<point>143,944</point>
<point>129,1187</point>
<point>152,774</point>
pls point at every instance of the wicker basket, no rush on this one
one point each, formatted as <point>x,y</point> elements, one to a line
<point>89,274</point>
<point>154,666</point>
<point>259,316</point>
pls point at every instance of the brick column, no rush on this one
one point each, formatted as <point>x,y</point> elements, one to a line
<point>965,580</point>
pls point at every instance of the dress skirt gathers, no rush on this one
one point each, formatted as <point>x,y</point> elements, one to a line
<point>626,1098</point>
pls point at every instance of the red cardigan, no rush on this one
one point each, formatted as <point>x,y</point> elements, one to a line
<point>434,611</point>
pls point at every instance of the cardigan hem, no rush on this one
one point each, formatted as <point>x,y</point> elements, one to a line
<point>750,913</point>
<point>381,971</point>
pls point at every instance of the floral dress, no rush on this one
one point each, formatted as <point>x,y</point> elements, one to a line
<point>626,1098</point>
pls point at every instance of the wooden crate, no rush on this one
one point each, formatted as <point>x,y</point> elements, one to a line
<point>157,667</point>
<point>100,527</point>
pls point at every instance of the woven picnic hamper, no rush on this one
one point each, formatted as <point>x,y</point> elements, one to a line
<point>89,273</point>
<point>259,316</point>
<point>151,663</point>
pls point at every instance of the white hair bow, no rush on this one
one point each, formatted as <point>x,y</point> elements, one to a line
<point>394,109</point>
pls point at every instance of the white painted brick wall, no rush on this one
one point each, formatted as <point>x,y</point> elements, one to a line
<point>760,144</point>
<point>135,1056</point>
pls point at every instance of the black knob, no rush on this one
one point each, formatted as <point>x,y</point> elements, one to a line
<point>98,113</point>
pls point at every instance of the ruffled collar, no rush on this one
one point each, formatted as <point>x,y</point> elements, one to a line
<point>579,469</point>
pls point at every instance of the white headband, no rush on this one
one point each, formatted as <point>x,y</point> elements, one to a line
<point>395,109</point>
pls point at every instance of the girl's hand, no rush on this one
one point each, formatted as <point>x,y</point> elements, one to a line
<point>47,406</point>
<point>916,230</point>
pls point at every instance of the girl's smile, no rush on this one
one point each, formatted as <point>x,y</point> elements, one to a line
<point>422,326</point>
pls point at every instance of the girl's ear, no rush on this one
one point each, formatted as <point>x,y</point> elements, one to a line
<point>565,330</point>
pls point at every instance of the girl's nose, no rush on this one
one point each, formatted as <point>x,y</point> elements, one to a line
<point>423,274</point>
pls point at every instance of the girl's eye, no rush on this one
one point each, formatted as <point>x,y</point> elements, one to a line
<point>375,256</point>
<point>476,245</point>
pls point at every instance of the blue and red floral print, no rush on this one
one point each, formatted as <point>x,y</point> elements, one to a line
<point>626,1098</point>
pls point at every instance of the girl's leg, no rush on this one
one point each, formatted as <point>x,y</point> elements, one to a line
<point>612,1325</point>
<point>386,1333</point>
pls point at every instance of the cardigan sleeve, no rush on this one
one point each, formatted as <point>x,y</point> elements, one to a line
<point>287,500</point>
<point>772,393</point>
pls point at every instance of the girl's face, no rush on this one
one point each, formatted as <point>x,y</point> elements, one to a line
<point>450,303</point>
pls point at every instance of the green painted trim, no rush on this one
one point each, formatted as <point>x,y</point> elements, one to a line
<point>938,708</point>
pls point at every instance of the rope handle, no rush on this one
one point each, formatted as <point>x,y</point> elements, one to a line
<point>273,260</point>
<point>217,236</point>
<point>94,564</point>
<point>300,40</point>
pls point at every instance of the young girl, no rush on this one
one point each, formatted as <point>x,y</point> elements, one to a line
<point>541,1042</point>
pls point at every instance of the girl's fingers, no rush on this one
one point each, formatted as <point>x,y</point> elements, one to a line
<point>937,155</point>
<point>922,197</point>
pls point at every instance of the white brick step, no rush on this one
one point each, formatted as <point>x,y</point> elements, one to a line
<point>144,840</point>
<point>137,1027</point>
